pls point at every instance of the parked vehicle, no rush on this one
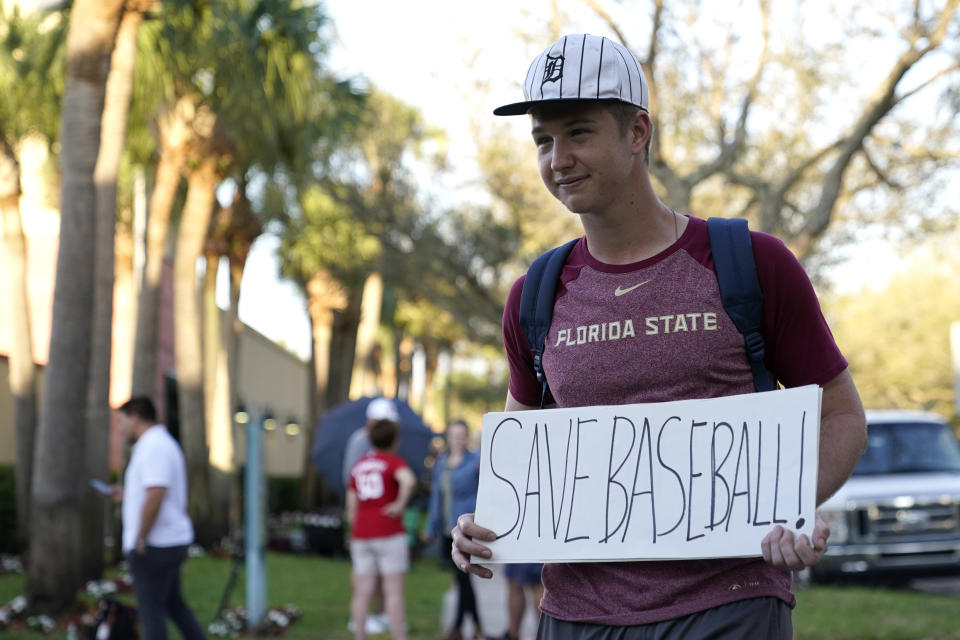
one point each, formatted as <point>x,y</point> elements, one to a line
<point>898,516</point>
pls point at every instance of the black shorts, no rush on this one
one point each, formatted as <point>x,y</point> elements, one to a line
<point>756,619</point>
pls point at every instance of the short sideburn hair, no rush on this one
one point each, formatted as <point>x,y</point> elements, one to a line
<point>383,433</point>
<point>624,114</point>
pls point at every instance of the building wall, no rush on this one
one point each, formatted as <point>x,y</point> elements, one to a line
<point>275,381</point>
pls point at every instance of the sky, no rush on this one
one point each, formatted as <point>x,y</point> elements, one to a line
<point>435,54</point>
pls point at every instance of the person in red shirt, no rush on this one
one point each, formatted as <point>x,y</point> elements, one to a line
<point>381,484</point>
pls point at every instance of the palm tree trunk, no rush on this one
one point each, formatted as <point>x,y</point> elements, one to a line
<point>321,321</point>
<point>112,135</point>
<point>216,393</point>
<point>428,408</point>
<point>173,127</point>
<point>366,377</point>
<point>128,271</point>
<point>158,223</point>
<point>403,357</point>
<point>188,344</point>
<point>23,369</point>
<point>210,314</point>
<point>324,296</point>
<point>343,344</point>
<point>231,344</point>
<point>59,478</point>
<point>308,481</point>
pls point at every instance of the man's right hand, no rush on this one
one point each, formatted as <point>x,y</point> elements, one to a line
<point>464,537</point>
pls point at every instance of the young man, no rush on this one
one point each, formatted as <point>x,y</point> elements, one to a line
<point>587,100</point>
<point>156,528</point>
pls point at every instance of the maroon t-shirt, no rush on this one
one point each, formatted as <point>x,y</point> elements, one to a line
<point>656,331</point>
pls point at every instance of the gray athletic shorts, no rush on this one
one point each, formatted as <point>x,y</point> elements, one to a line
<point>384,556</point>
<point>754,619</point>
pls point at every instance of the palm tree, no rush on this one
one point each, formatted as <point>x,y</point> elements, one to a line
<point>31,59</point>
<point>174,126</point>
<point>53,573</point>
<point>232,234</point>
<point>112,136</point>
<point>188,343</point>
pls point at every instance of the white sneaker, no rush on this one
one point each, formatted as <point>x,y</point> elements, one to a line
<point>375,624</point>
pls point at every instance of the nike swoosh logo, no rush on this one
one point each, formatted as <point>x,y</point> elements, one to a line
<point>619,292</point>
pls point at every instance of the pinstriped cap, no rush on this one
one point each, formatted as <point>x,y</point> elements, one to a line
<point>581,67</point>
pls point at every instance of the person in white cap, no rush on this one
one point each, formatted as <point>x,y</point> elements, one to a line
<point>588,103</point>
<point>358,445</point>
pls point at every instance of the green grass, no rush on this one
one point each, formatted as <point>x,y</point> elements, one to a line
<point>861,613</point>
<point>320,588</point>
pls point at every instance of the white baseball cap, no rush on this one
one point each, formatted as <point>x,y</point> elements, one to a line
<point>581,67</point>
<point>382,409</point>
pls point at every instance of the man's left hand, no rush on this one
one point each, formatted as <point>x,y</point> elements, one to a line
<point>788,551</point>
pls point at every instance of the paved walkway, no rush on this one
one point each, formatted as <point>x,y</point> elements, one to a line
<point>492,602</point>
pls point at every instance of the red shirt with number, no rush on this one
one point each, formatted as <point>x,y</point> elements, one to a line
<point>373,478</point>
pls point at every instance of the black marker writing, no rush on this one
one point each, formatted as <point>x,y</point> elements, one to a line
<point>744,446</point>
<point>692,475</point>
<point>716,475</point>
<point>803,426</point>
<point>534,454</point>
<point>493,440</point>
<point>644,437</point>
<point>573,487</point>
<point>756,504</point>
<point>555,514</point>
<point>611,478</point>
<point>776,484</point>
<point>676,475</point>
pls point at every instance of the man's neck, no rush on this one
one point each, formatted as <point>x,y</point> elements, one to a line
<point>142,428</point>
<point>633,233</point>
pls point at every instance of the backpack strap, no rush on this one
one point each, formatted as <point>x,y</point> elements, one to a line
<point>740,289</point>
<point>536,307</point>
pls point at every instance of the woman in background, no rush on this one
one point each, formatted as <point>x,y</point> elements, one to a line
<point>456,475</point>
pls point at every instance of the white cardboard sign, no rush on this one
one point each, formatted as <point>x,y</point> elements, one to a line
<point>672,480</point>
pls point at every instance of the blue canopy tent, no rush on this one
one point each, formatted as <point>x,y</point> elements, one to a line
<point>335,427</point>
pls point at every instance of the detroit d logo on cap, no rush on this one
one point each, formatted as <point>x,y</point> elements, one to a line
<point>553,69</point>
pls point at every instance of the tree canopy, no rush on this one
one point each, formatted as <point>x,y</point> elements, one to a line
<point>897,338</point>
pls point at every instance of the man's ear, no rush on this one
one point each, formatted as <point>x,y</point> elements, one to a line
<point>641,129</point>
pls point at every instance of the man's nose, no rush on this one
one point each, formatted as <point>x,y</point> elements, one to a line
<point>561,157</point>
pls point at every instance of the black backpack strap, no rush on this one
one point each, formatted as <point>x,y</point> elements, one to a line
<point>740,289</point>
<point>536,307</point>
